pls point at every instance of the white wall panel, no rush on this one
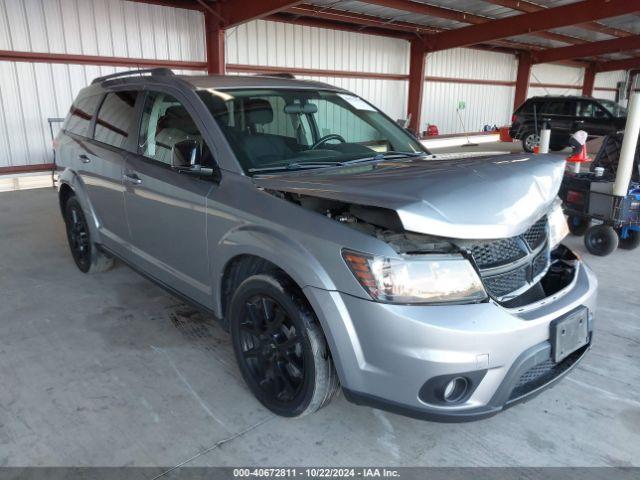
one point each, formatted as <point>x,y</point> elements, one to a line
<point>471,64</point>
<point>30,93</point>
<point>484,105</point>
<point>285,45</point>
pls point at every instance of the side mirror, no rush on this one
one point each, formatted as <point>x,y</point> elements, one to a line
<point>186,157</point>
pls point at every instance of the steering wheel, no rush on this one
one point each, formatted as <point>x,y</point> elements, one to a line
<point>326,138</point>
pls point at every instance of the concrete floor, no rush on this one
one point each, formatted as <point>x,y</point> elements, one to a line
<point>108,369</point>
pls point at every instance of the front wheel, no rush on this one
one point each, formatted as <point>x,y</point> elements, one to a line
<point>631,240</point>
<point>601,240</point>
<point>279,346</point>
<point>85,253</point>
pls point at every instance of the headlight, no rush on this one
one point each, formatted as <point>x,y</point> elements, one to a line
<point>433,278</point>
<point>558,228</point>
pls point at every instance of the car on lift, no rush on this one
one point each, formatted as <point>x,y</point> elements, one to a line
<point>565,115</point>
<point>335,249</point>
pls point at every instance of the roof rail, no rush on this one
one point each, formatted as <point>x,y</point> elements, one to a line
<point>277,75</point>
<point>153,71</point>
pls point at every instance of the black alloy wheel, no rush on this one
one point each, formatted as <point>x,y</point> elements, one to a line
<point>280,347</point>
<point>78,235</point>
<point>272,349</point>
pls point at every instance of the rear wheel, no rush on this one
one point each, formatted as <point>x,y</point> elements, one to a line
<point>631,240</point>
<point>601,240</point>
<point>279,346</point>
<point>530,140</point>
<point>578,225</point>
<point>85,253</point>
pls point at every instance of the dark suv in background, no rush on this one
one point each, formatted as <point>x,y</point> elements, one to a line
<point>565,114</point>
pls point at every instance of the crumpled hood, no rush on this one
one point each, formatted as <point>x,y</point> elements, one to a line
<point>471,198</point>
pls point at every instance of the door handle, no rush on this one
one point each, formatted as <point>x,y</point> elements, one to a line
<point>83,158</point>
<point>132,178</point>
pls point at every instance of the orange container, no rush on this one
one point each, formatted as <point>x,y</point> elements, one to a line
<point>504,134</point>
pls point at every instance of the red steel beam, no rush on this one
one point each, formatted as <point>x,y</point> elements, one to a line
<point>36,57</point>
<point>528,7</point>
<point>458,16</point>
<point>214,43</point>
<point>527,23</point>
<point>626,64</point>
<point>417,67</point>
<point>587,49</point>
<point>522,79</point>
<point>589,80</point>
<point>238,11</point>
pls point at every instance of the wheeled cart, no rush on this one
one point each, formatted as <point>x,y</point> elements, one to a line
<point>586,198</point>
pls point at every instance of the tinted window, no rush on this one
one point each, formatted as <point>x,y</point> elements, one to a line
<point>591,110</point>
<point>165,122</point>
<point>81,113</point>
<point>558,107</point>
<point>114,118</point>
<point>529,107</point>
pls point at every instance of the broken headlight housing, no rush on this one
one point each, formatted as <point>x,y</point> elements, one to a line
<point>558,227</point>
<point>417,279</point>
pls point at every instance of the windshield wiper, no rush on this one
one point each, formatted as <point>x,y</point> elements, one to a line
<point>384,156</point>
<point>296,166</point>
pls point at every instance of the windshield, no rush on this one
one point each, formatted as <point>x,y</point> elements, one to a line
<point>281,129</point>
<point>615,109</point>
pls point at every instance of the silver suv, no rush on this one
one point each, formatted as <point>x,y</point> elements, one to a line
<point>327,240</point>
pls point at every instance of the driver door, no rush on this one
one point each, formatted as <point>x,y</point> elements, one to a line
<point>166,209</point>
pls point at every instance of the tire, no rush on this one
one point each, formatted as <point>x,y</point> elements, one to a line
<point>84,252</point>
<point>601,240</point>
<point>631,242</point>
<point>578,225</point>
<point>280,347</point>
<point>529,140</point>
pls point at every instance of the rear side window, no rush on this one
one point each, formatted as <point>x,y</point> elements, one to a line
<point>529,107</point>
<point>80,115</point>
<point>558,107</point>
<point>115,117</point>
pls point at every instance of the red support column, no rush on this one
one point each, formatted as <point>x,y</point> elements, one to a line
<point>214,41</point>
<point>522,78</point>
<point>417,59</point>
<point>589,80</point>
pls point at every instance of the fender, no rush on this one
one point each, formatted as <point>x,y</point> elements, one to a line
<point>72,179</point>
<point>290,256</point>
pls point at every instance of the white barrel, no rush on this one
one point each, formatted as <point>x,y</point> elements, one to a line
<point>628,150</point>
<point>545,138</point>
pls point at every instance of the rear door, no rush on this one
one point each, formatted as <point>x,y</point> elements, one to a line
<point>166,209</point>
<point>561,114</point>
<point>112,139</point>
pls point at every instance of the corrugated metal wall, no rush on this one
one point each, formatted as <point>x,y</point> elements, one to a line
<point>29,93</point>
<point>484,104</point>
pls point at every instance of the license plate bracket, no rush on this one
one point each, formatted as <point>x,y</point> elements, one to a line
<point>569,333</point>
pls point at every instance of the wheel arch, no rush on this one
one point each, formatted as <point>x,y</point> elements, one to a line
<point>70,184</point>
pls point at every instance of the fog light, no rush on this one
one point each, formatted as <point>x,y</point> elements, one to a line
<point>455,389</point>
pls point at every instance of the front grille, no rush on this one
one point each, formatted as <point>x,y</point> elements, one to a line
<point>508,265</point>
<point>540,263</point>
<point>543,373</point>
<point>498,252</point>
<point>537,234</point>
<point>505,283</point>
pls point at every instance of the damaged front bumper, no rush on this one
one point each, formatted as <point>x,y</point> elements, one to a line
<point>400,357</point>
